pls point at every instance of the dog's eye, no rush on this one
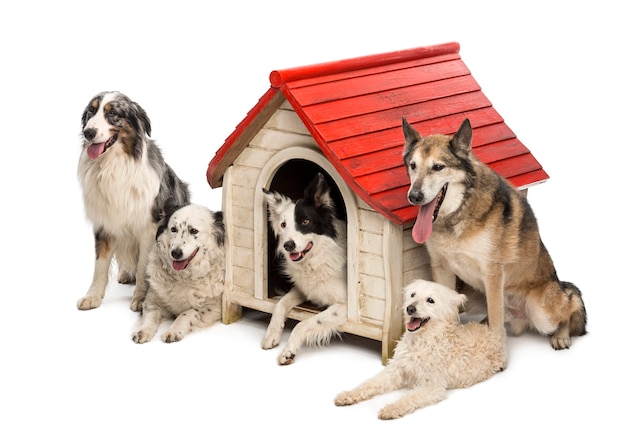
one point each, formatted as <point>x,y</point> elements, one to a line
<point>430,300</point>
<point>283,225</point>
<point>412,165</point>
<point>193,231</point>
<point>173,229</point>
<point>413,295</point>
<point>438,167</point>
<point>305,222</point>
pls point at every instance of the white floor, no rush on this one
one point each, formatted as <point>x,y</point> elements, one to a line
<point>553,72</point>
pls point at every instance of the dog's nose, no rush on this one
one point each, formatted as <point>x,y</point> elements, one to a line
<point>416,197</point>
<point>289,246</point>
<point>410,310</point>
<point>177,253</point>
<point>89,133</point>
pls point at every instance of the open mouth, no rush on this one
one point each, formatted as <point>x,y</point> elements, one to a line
<point>415,323</point>
<point>426,216</point>
<point>180,265</point>
<point>298,256</point>
<point>439,200</point>
<point>94,151</point>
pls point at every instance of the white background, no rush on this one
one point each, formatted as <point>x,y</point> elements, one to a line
<point>555,72</point>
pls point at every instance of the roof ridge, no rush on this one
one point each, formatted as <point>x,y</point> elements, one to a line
<point>279,77</point>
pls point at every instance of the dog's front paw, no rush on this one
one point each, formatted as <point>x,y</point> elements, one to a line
<point>345,399</point>
<point>390,412</point>
<point>286,358</point>
<point>271,340</point>
<point>142,336</point>
<point>136,303</point>
<point>172,336</point>
<point>88,302</point>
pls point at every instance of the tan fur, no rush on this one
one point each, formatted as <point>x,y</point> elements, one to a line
<point>486,235</point>
<point>442,354</point>
<point>193,296</point>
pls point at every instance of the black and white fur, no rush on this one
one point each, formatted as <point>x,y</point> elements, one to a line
<point>186,271</point>
<point>127,186</point>
<point>312,244</point>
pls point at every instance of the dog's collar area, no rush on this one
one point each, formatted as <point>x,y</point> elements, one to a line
<point>180,265</point>
<point>298,256</point>
<point>415,323</point>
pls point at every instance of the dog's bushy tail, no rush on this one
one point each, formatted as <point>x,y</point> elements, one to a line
<point>578,319</point>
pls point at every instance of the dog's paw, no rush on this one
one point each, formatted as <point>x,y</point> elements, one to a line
<point>271,340</point>
<point>135,304</point>
<point>286,358</point>
<point>172,336</point>
<point>88,302</point>
<point>387,413</point>
<point>345,399</point>
<point>560,341</point>
<point>142,336</point>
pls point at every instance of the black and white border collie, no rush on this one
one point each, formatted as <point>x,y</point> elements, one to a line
<point>311,242</point>
<point>127,188</point>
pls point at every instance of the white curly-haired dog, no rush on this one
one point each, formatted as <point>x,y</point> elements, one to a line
<point>435,353</point>
<point>185,274</point>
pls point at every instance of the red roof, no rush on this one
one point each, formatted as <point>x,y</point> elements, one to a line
<point>354,108</point>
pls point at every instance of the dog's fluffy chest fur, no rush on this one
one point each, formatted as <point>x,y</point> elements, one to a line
<point>322,277</point>
<point>117,190</point>
<point>179,291</point>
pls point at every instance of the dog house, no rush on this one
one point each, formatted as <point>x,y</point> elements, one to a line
<point>344,118</point>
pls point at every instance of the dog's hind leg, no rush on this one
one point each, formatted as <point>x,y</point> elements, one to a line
<point>552,309</point>
<point>141,284</point>
<point>277,323</point>
<point>417,398</point>
<point>104,255</point>
<point>317,330</point>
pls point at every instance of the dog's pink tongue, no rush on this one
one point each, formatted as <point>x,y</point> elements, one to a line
<point>179,265</point>
<point>95,150</point>
<point>423,226</point>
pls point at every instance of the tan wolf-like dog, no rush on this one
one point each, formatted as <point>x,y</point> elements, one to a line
<point>435,353</point>
<point>479,228</point>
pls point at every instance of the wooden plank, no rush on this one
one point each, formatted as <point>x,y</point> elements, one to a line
<point>384,119</point>
<point>390,99</point>
<point>368,142</point>
<point>378,83</point>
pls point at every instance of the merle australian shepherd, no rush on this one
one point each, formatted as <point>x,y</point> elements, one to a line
<point>311,243</point>
<point>127,188</point>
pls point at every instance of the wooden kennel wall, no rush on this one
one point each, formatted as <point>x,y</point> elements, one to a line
<point>344,117</point>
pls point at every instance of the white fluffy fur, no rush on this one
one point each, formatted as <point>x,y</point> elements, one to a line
<point>192,296</point>
<point>319,278</point>
<point>442,354</point>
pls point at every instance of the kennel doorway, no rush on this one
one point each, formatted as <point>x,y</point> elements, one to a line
<point>289,172</point>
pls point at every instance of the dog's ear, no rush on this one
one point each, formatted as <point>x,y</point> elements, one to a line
<point>411,138</point>
<point>318,192</point>
<point>462,140</point>
<point>142,118</point>
<point>220,231</point>
<point>273,198</point>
